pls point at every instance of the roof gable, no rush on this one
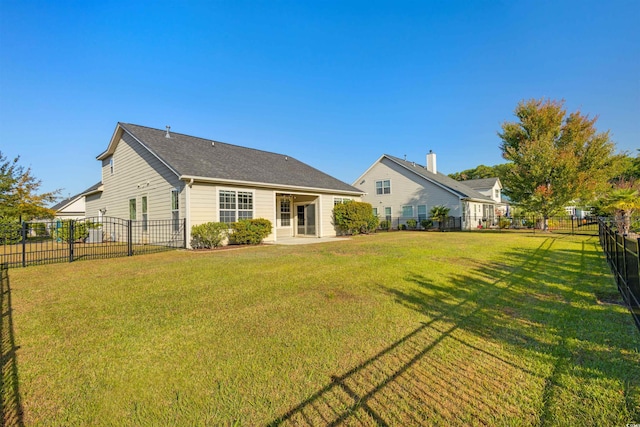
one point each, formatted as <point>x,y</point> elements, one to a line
<point>206,159</point>
<point>482,183</point>
<point>456,187</point>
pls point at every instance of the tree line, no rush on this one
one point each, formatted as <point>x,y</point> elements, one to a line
<point>557,159</point>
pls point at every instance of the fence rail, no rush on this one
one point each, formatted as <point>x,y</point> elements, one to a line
<point>48,242</point>
<point>570,225</point>
<point>623,256</point>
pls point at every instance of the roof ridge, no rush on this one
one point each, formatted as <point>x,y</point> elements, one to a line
<point>209,140</point>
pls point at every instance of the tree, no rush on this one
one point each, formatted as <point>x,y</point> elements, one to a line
<point>500,171</point>
<point>556,159</point>
<point>439,213</point>
<point>19,197</point>
<point>623,200</point>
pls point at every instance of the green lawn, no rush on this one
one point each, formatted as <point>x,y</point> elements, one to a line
<point>389,329</point>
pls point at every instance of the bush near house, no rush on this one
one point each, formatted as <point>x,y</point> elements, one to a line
<point>209,235</point>
<point>80,230</point>
<point>412,224</point>
<point>355,218</point>
<point>250,231</point>
<point>426,224</point>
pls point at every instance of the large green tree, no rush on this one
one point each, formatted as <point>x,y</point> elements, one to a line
<point>19,193</point>
<point>556,158</point>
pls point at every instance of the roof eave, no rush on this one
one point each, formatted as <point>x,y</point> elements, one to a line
<point>268,185</point>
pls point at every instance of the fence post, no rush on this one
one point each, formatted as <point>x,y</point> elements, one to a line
<point>23,236</point>
<point>129,237</point>
<point>71,239</point>
<point>572,232</point>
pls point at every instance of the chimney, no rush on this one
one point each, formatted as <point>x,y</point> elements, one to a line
<point>431,162</point>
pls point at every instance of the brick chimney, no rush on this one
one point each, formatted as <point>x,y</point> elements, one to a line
<point>431,162</point>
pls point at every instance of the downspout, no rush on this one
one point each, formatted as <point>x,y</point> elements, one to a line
<point>187,209</point>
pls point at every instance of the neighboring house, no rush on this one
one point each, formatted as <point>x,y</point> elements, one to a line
<point>401,189</point>
<point>150,174</point>
<point>73,207</point>
<point>492,188</point>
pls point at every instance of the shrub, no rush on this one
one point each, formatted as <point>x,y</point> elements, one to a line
<point>426,224</point>
<point>504,222</point>
<point>385,225</point>
<point>80,230</point>
<point>209,235</point>
<point>355,217</point>
<point>250,231</point>
<point>10,232</point>
<point>412,224</point>
<point>402,227</point>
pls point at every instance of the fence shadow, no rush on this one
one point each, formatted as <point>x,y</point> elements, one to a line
<point>9,386</point>
<point>416,381</point>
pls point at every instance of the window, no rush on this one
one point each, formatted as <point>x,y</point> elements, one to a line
<point>407,211</point>
<point>383,187</point>
<point>175,209</point>
<point>285,212</point>
<point>422,212</point>
<point>230,210</point>
<point>144,213</point>
<point>387,213</point>
<point>340,200</point>
<point>111,165</point>
<point>375,211</point>
<point>497,194</point>
<point>132,209</point>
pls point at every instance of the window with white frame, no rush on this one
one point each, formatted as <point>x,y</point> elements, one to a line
<point>407,211</point>
<point>422,212</point>
<point>111,165</point>
<point>340,200</point>
<point>175,208</point>
<point>235,205</point>
<point>145,216</point>
<point>132,209</point>
<point>383,187</point>
<point>285,212</point>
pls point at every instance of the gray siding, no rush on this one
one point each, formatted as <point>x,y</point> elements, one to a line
<point>407,188</point>
<point>136,173</point>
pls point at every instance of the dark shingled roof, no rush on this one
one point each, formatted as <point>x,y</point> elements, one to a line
<point>197,157</point>
<point>480,183</point>
<point>61,204</point>
<point>457,187</point>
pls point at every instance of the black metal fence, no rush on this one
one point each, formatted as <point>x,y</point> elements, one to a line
<point>569,225</point>
<point>418,223</point>
<point>623,257</point>
<point>47,242</point>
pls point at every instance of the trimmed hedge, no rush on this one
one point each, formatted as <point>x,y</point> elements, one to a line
<point>355,218</point>
<point>250,231</point>
<point>209,235</point>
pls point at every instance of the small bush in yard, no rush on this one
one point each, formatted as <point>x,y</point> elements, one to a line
<point>426,224</point>
<point>209,235</point>
<point>412,224</point>
<point>355,217</point>
<point>250,231</point>
<point>385,225</point>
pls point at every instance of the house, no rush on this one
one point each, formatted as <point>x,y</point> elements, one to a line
<point>152,174</point>
<point>492,188</point>
<point>399,189</point>
<point>73,207</point>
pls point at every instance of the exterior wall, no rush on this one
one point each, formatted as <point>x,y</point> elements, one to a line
<point>74,210</point>
<point>407,189</point>
<point>136,173</point>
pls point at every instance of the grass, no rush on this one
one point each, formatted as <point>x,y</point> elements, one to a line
<point>389,329</point>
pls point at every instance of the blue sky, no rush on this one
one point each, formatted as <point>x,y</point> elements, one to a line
<point>334,84</point>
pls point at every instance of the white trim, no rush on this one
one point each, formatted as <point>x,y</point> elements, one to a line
<point>112,148</point>
<point>277,187</point>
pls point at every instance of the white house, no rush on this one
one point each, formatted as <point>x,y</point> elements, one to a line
<point>152,174</point>
<point>401,189</point>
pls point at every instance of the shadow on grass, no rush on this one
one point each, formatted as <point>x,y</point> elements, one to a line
<point>500,344</point>
<point>9,387</point>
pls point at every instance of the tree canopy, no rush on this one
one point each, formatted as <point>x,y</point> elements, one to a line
<point>19,197</point>
<point>556,158</point>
